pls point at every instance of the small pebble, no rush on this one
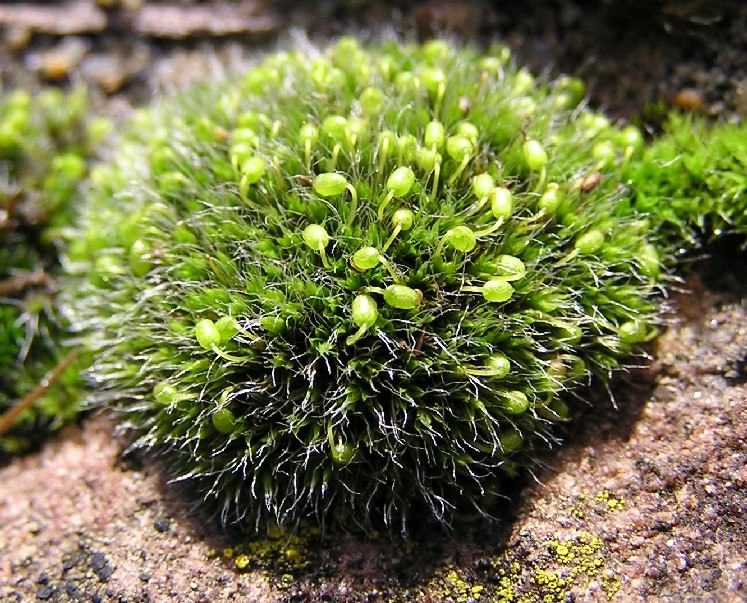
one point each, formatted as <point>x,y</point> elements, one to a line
<point>46,593</point>
<point>162,524</point>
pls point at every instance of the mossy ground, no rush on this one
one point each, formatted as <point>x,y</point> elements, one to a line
<point>46,141</point>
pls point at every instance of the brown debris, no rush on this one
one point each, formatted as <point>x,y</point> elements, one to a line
<point>689,99</point>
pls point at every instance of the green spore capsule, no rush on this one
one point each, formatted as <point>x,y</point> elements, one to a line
<point>316,238</point>
<point>140,258</point>
<point>509,268</point>
<point>551,198</point>
<point>482,185</point>
<point>435,135</point>
<point>590,242</point>
<point>164,393</point>
<point>515,402</point>
<point>501,203</point>
<point>364,312</point>
<point>461,238</point>
<point>330,184</point>
<point>399,184</point>
<point>511,441</point>
<point>497,290</point>
<point>346,333</point>
<point>207,334</point>
<point>400,181</point>
<point>402,220</point>
<point>372,101</point>
<point>535,155</point>
<point>469,131</point>
<point>337,128</point>
<point>365,258</point>
<point>224,421</point>
<point>402,297</point>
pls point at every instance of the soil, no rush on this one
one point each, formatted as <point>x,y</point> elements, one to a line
<point>647,500</point>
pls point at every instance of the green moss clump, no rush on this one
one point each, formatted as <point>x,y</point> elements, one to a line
<point>353,285</point>
<point>693,180</point>
<point>44,146</point>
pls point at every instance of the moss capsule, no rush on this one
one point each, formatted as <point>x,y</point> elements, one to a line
<point>223,420</point>
<point>461,238</point>
<point>365,258</point>
<point>511,441</point>
<point>207,334</point>
<point>497,290</point>
<point>435,135</point>
<point>535,155</point>
<point>501,203</point>
<point>515,402</point>
<point>590,242</point>
<point>402,297</point>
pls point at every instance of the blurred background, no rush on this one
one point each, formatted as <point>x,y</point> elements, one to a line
<point>638,57</point>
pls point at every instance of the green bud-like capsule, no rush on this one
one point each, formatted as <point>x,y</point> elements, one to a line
<point>515,402</point>
<point>402,297</point>
<point>630,136</point>
<point>434,80</point>
<point>253,169</point>
<point>165,393</point>
<point>308,133</point>
<point>240,152</point>
<point>498,364</point>
<point>469,131</point>
<point>510,268</point>
<point>358,128</point>
<point>590,242</point>
<point>223,420</point>
<point>407,146</point>
<point>207,334</point>
<point>604,153</point>
<point>316,237</point>
<point>330,184</point>
<point>461,238</point>
<point>372,100</point>
<point>523,82</point>
<point>400,181</point>
<point>365,258</point>
<point>458,147</point>
<point>551,198</point>
<point>435,50</point>
<point>497,290</point>
<point>336,127</point>
<point>364,310</point>
<point>406,81</point>
<point>482,185</point>
<point>435,135</point>
<point>426,158</point>
<point>633,331</point>
<point>534,155</point>
<point>403,218</point>
<point>138,256</point>
<point>511,441</point>
<point>246,136</point>
<point>648,260</point>
<point>501,203</point>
